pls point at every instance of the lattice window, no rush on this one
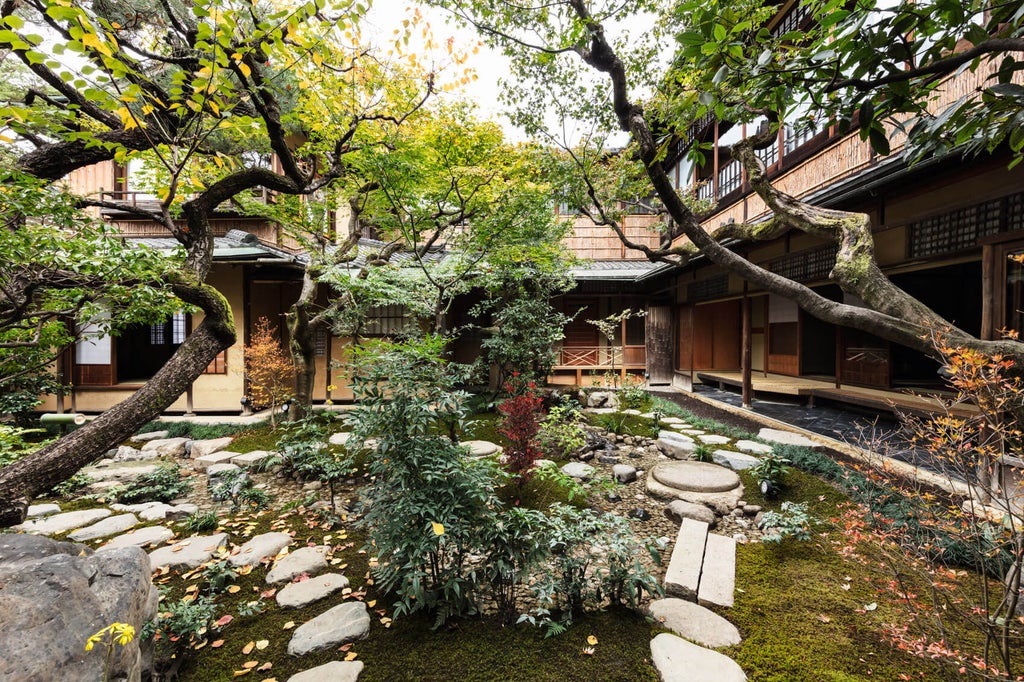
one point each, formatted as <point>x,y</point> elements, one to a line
<point>1015,212</point>
<point>955,231</point>
<point>729,177</point>
<point>320,342</point>
<point>707,288</point>
<point>769,154</point>
<point>385,320</point>
<point>706,190</point>
<point>792,21</point>
<point>807,265</point>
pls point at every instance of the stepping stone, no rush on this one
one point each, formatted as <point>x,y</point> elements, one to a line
<point>126,453</point>
<point>753,447</point>
<point>623,473</point>
<point>344,623</point>
<point>481,448</point>
<point>206,461</point>
<point>734,460</point>
<point>674,472</point>
<point>297,595</point>
<point>678,510</point>
<point>152,435</point>
<point>541,463</point>
<point>696,476</point>
<point>335,671</point>
<point>259,548</point>
<point>694,622</point>
<point>682,577</point>
<point>201,448</point>
<point>672,420</point>
<point>189,552</point>
<point>691,432</point>
<point>38,510</point>
<point>148,535</point>
<point>635,413</point>
<point>147,511</point>
<point>122,473</point>
<point>786,438</point>
<point>578,470</point>
<point>62,523</point>
<point>248,459</point>
<point>675,445</point>
<point>600,410</point>
<point>167,447</point>
<point>340,438</point>
<point>111,525</point>
<point>215,469</point>
<point>713,439</point>
<point>182,510</point>
<point>718,575</point>
<point>309,560</point>
<point>680,661</point>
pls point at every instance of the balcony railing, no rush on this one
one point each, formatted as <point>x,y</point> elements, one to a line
<point>601,357</point>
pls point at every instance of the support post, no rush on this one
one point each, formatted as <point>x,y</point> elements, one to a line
<point>188,402</point>
<point>747,355</point>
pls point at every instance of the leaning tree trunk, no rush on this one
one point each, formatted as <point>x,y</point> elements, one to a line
<point>37,473</point>
<point>302,344</point>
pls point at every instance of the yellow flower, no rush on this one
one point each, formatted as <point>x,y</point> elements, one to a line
<point>120,633</point>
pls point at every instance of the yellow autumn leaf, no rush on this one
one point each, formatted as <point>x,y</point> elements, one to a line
<point>262,644</point>
<point>244,68</point>
<point>591,640</point>
<point>438,527</point>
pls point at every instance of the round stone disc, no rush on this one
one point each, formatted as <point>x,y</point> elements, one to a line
<point>700,477</point>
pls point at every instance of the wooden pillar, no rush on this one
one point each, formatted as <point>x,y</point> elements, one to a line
<point>60,382</point>
<point>747,354</point>
<point>988,275</point>
<point>189,412</point>
<point>839,356</point>
<point>328,361</point>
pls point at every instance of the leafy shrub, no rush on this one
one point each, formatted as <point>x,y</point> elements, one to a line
<point>13,444</point>
<point>218,576</point>
<point>702,452</point>
<point>625,425</point>
<point>595,559</point>
<point>237,486</point>
<point>769,472</point>
<point>560,432</point>
<point>791,521</point>
<point>163,485</point>
<point>187,622</point>
<point>201,523</point>
<point>68,488</point>
<point>634,397</point>
<point>521,412</point>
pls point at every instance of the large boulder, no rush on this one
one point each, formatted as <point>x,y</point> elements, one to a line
<point>55,595</point>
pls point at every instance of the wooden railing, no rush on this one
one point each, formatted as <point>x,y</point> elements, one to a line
<point>602,357</point>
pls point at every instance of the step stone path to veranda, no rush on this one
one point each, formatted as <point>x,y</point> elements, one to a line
<point>701,570</point>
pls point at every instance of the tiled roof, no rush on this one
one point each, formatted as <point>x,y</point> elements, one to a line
<point>616,270</point>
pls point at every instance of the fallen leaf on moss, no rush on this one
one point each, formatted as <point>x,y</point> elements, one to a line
<point>591,640</point>
<point>234,589</point>
<point>351,656</point>
<point>289,625</point>
<point>218,644</point>
<point>224,620</point>
<point>247,649</point>
<point>250,664</point>
<point>262,644</point>
<point>265,667</point>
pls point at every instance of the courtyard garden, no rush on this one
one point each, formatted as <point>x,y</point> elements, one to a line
<point>407,537</point>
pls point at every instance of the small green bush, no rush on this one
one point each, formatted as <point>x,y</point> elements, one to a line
<point>791,521</point>
<point>163,485</point>
<point>560,431</point>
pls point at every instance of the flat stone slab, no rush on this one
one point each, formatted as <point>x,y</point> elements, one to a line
<point>635,413</point>
<point>126,453</point>
<point>215,469</point>
<point>167,447</point>
<point>680,661</point>
<point>701,477</point>
<point>62,523</point>
<point>718,575</point>
<point>297,595</point>
<point>578,470</point>
<point>201,448</point>
<point>691,432</point>
<point>481,448</point>
<point>149,535</point>
<point>675,444</point>
<point>152,435</point>
<point>335,671</point>
<point>340,438</point>
<point>753,447</point>
<point>601,410</point>
<point>37,510</point>
<point>119,471</point>
<point>189,552</point>
<point>206,461</point>
<point>248,459</point>
<point>723,503</point>
<point>737,461</point>
<point>672,420</point>
<point>112,525</point>
<point>260,547</point>
<point>678,510</point>
<point>682,577</point>
<point>786,438</point>
<point>713,439</point>
<point>694,622</point>
<point>344,623</point>
<point>309,560</point>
